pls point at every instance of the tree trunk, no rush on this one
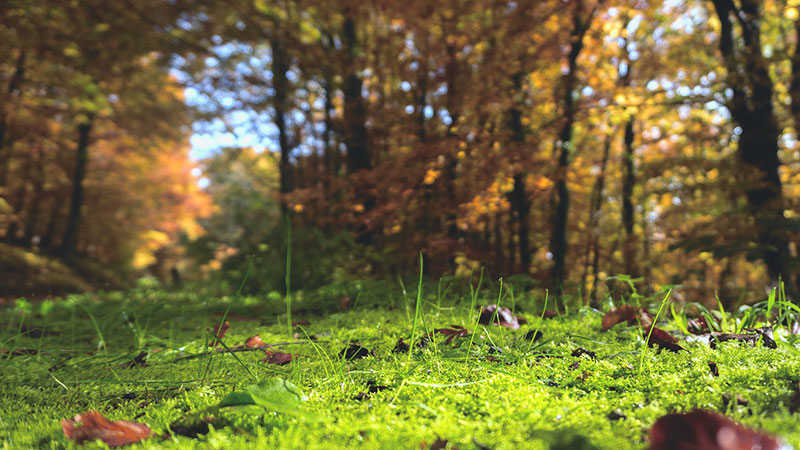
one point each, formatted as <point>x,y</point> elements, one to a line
<point>32,222</point>
<point>13,86</point>
<point>558,241</point>
<point>628,182</point>
<point>595,206</point>
<point>751,106</point>
<point>518,197</point>
<point>355,110</point>
<point>69,241</point>
<point>280,65</point>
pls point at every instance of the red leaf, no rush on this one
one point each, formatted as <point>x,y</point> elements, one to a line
<point>626,313</point>
<point>219,332</point>
<point>662,339</point>
<point>254,341</point>
<point>707,431</point>
<point>278,358</point>
<point>504,317</point>
<point>94,426</point>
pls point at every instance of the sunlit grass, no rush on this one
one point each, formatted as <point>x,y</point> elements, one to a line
<point>492,386</point>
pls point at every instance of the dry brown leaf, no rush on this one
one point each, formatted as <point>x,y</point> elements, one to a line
<point>708,431</point>
<point>91,426</point>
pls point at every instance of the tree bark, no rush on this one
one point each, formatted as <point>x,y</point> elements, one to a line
<point>355,110</point>
<point>595,206</point>
<point>558,241</point>
<point>13,86</point>
<point>518,197</point>
<point>751,107</point>
<point>280,65</point>
<point>69,241</point>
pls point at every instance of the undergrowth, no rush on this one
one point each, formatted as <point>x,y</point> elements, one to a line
<point>488,387</point>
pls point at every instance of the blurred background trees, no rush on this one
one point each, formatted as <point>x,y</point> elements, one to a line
<point>565,140</point>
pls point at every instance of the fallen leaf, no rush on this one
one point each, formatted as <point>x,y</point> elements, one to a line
<point>354,351</point>
<point>439,444</point>
<point>372,388</point>
<point>219,332</point>
<point>580,351</point>
<point>763,334</point>
<point>453,332</point>
<point>714,369</point>
<point>663,339</point>
<point>626,313</point>
<point>705,430</point>
<point>253,342</point>
<point>697,326</point>
<point>298,323</point>
<point>400,347</point>
<point>278,358</point>
<point>138,361</point>
<point>533,335</point>
<point>91,426</point>
<point>345,302</point>
<point>502,316</point>
<point>616,415</point>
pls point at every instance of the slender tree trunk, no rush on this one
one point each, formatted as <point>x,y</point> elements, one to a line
<point>355,110</point>
<point>628,182</point>
<point>70,239</point>
<point>558,242</point>
<point>355,118</point>
<point>751,106</point>
<point>32,221</point>
<point>5,147</point>
<point>280,66</point>
<point>595,207</point>
<point>518,197</point>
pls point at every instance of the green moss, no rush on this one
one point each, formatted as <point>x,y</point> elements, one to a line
<point>500,395</point>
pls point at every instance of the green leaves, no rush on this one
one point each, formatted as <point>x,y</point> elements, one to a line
<point>275,394</point>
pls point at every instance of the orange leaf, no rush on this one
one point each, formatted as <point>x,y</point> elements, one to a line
<point>94,426</point>
<point>254,341</point>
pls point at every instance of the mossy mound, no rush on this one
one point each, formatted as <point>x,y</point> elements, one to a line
<point>26,273</point>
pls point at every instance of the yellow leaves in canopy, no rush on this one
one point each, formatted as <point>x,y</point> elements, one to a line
<point>540,183</point>
<point>791,13</point>
<point>462,145</point>
<point>152,240</point>
<point>298,207</point>
<point>431,175</point>
<point>712,174</point>
<point>359,208</point>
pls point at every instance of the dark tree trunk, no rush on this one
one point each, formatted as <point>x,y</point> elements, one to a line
<point>13,86</point>
<point>628,182</point>
<point>355,110</point>
<point>751,106</point>
<point>518,197</point>
<point>32,221</point>
<point>558,242</point>
<point>595,207</point>
<point>70,239</point>
<point>280,66</point>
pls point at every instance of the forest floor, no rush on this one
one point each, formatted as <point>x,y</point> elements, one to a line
<point>344,379</point>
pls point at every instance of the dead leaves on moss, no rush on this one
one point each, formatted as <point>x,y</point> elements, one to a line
<point>91,426</point>
<point>492,315</point>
